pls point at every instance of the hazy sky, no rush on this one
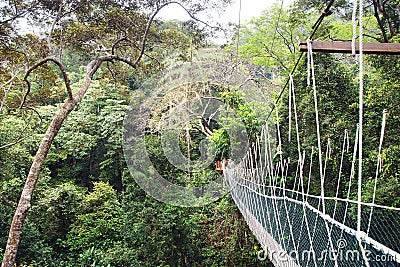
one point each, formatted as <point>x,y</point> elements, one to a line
<point>250,8</point>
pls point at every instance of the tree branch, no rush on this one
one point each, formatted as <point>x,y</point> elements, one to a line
<point>192,16</point>
<point>14,17</point>
<point>6,91</point>
<point>112,58</point>
<point>10,80</point>
<point>151,19</point>
<point>275,57</point>
<point>373,37</point>
<point>53,25</point>
<point>114,47</point>
<point>42,62</point>
<point>285,40</point>
<point>204,130</point>
<point>3,101</point>
<point>146,33</point>
<point>19,14</point>
<point>378,19</point>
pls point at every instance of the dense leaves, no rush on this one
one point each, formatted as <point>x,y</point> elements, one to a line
<point>87,209</point>
<point>79,219</point>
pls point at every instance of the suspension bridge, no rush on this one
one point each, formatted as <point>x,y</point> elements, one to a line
<point>297,226</point>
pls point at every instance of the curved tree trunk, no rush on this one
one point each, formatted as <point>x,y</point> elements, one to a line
<point>24,203</point>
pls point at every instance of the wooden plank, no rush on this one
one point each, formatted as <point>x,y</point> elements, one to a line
<point>345,47</point>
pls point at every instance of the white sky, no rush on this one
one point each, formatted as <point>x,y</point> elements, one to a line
<point>250,8</point>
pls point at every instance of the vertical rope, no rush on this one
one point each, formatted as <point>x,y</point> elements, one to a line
<point>261,180</point>
<point>378,167</point>
<point>290,107</point>
<point>282,170</point>
<point>270,163</point>
<point>360,143</point>
<point>312,74</point>
<point>238,31</point>
<point>296,118</point>
<point>354,20</point>
<point>305,198</point>
<point>345,144</point>
<point>352,174</point>
<point>309,55</point>
<point>345,139</point>
<point>310,172</point>
<point>321,168</point>
<point>360,119</point>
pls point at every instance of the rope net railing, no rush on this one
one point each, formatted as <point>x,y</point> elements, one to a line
<point>309,205</point>
<point>298,227</point>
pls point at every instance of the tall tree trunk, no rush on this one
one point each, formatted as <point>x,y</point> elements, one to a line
<point>24,203</point>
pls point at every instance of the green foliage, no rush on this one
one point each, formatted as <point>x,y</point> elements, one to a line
<point>115,225</point>
<point>222,143</point>
<point>382,94</point>
<point>87,209</point>
<point>336,96</point>
<point>96,228</point>
<point>271,40</point>
<point>250,114</point>
<point>56,209</point>
<point>163,235</point>
<point>89,146</point>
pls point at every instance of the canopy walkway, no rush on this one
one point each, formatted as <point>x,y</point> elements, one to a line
<point>297,226</point>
